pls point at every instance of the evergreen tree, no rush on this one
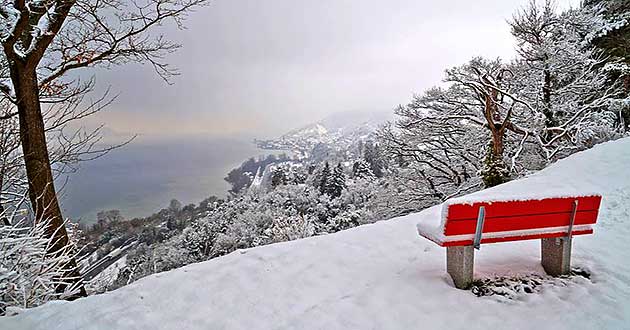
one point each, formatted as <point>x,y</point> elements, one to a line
<point>613,33</point>
<point>171,223</point>
<point>336,182</point>
<point>361,170</point>
<point>278,177</point>
<point>298,175</point>
<point>609,32</point>
<point>322,183</point>
<point>374,157</point>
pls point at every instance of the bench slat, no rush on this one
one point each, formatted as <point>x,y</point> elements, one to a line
<point>514,238</point>
<point>520,222</point>
<point>511,208</point>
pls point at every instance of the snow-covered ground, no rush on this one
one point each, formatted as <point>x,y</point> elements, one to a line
<point>384,276</point>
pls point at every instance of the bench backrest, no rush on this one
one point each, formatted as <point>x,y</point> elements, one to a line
<point>520,220</point>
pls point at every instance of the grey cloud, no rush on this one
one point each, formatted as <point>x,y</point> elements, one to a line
<point>261,67</point>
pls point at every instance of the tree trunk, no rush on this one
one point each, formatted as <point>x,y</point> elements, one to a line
<point>550,117</point>
<point>547,97</point>
<point>497,143</point>
<point>494,171</point>
<point>42,193</point>
<point>625,111</point>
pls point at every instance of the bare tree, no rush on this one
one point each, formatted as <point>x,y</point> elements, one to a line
<point>42,41</point>
<point>451,130</point>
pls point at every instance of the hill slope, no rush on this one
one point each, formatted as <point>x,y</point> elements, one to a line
<point>383,276</point>
<point>337,130</point>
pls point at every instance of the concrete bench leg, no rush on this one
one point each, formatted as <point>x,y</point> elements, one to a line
<point>459,264</point>
<point>556,256</point>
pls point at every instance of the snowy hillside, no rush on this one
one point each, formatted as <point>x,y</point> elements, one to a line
<point>384,276</point>
<point>339,130</point>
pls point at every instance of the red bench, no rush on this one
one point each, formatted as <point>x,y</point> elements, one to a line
<point>553,220</point>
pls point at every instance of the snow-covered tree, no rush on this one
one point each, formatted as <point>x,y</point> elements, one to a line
<point>609,31</point>
<point>278,176</point>
<point>30,273</point>
<point>44,40</point>
<point>199,238</point>
<point>454,132</point>
<point>373,155</point>
<point>322,179</point>
<point>563,80</point>
<point>288,228</point>
<point>336,182</point>
<point>610,26</point>
<point>361,169</point>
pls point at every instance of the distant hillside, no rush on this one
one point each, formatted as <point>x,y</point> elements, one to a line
<point>339,130</point>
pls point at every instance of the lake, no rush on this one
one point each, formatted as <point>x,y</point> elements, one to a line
<point>142,177</point>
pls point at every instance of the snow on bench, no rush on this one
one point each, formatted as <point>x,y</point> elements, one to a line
<point>464,225</point>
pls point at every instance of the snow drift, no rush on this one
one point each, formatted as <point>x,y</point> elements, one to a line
<point>384,276</point>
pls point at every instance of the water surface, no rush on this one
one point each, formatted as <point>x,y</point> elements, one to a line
<point>142,177</point>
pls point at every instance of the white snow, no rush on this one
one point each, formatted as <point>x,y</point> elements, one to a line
<point>382,276</point>
<point>105,278</point>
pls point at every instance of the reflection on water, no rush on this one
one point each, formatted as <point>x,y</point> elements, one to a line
<point>142,177</point>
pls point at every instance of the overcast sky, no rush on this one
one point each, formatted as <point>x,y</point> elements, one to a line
<point>261,67</point>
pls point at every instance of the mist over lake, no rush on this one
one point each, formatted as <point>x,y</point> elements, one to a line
<point>143,176</point>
